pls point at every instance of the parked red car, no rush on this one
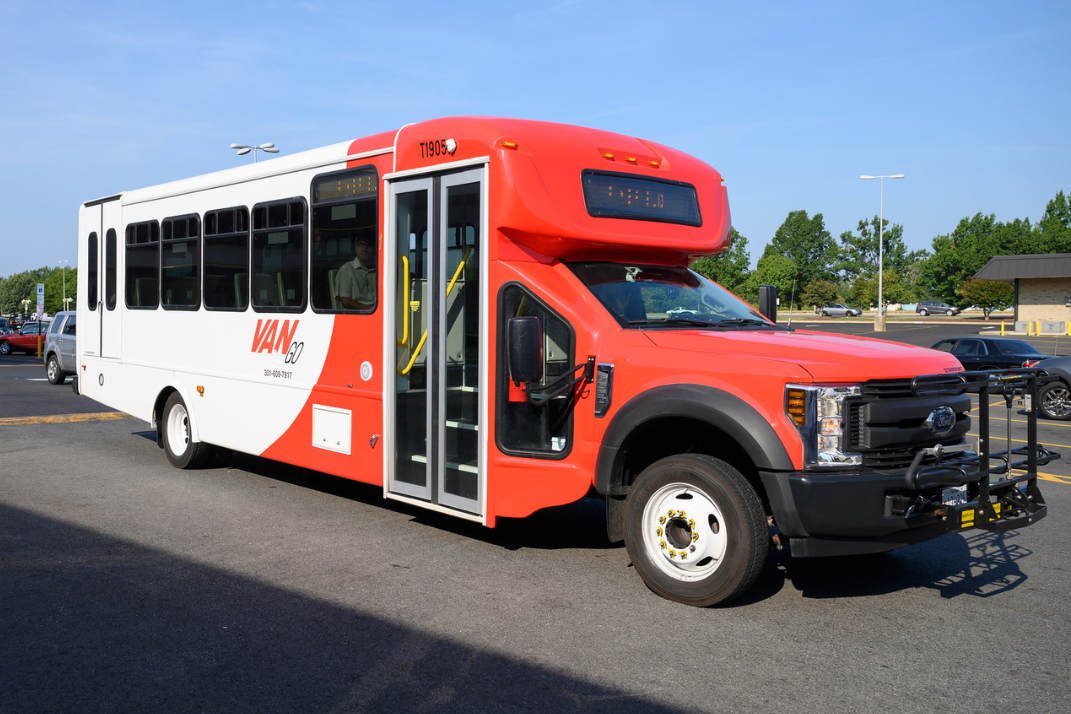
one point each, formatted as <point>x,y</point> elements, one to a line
<point>25,339</point>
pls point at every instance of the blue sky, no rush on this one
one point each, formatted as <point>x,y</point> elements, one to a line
<point>791,101</point>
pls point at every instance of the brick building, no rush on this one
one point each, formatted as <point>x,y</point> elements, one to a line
<point>1042,287</point>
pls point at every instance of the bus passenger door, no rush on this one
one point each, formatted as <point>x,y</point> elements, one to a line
<point>89,304</point>
<point>439,338</point>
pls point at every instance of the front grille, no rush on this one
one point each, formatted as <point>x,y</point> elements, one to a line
<point>887,424</point>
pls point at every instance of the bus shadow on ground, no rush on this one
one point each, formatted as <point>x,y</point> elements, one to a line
<point>92,623</point>
<point>978,563</point>
<point>576,525</point>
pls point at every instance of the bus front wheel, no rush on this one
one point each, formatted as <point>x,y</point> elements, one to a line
<point>695,530</point>
<point>182,451</point>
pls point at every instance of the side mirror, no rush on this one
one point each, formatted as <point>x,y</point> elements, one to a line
<point>768,302</point>
<point>524,339</point>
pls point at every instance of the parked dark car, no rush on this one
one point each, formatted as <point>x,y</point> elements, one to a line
<point>1054,399</point>
<point>991,352</point>
<point>932,307</point>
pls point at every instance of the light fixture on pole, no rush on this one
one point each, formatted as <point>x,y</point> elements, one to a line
<point>244,149</point>
<point>879,323</point>
<point>64,263</point>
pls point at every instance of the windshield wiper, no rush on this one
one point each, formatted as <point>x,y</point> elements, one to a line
<point>745,321</point>
<point>674,321</point>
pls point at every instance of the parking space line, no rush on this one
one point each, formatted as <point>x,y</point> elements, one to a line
<point>63,418</point>
<point>1023,441</point>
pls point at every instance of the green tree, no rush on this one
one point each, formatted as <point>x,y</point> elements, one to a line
<point>959,255</point>
<point>54,288</point>
<point>1054,228</point>
<point>806,242</point>
<point>989,295</point>
<point>18,287</point>
<point>858,254</point>
<point>820,293</point>
<point>893,290</point>
<point>776,270</point>
<point>731,268</point>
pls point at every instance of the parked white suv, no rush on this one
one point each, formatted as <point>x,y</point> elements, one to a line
<point>59,349</point>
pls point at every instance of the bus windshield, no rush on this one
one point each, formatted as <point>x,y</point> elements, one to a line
<point>643,296</point>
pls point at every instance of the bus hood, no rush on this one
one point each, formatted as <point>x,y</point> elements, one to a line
<point>827,357</point>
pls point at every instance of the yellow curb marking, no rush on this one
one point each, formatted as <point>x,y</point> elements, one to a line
<point>63,418</point>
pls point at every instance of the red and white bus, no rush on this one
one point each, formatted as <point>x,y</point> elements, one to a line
<point>488,317</point>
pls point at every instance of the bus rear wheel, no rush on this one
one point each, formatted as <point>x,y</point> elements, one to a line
<point>695,530</point>
<point>181,449</point>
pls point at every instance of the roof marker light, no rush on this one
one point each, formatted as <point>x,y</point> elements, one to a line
<point>630,159</point>
<point>509,144</point>
<point>653,163</point>
<point>607,155</point>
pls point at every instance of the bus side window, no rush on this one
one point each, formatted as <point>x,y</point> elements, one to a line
<point>143,265</point>
<point>180,259</point>
<point>110,261</point>
<point>522,428</point>
<point>345,241</point>
<point>91,292</point>
<point>278,264</point>
<point>226,259</point>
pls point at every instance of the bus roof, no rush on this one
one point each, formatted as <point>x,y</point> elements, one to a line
<point>536,192</point>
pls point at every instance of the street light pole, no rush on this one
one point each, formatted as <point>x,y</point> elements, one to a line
<point>244,149</point>
<point>64,263</point>
<point>879,322</point>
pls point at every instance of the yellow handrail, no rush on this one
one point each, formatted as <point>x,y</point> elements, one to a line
<point>420,345</point>
<point>405,303</point>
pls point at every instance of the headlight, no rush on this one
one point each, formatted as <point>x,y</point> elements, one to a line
<point>819,413</point>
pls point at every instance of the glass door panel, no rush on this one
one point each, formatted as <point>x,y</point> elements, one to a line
<point>460,323</point>
<point>438,233</point>
<point>412,472</point>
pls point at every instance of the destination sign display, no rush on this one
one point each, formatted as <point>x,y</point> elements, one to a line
<point>359,184</point>
<point>613,195</point>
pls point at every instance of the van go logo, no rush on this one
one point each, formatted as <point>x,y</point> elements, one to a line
<point>271,337</point>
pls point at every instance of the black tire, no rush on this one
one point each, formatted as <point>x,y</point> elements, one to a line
<point>182,451</point>
<point>924,313</point>
<point>950,313</point>
<point>1054,401</point>
<point>53,372</point>
<point>825,314</point>
<point>5,347</point>
<point>728,547</point>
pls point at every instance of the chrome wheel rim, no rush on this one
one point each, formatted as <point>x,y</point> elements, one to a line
<point>178,430</point>
<point>1057,402</point>
<point>684,532</point>
<point>53,369</point>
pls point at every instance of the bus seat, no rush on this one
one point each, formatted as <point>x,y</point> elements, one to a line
<point>241,289</point>
<point>266,290</point>
<point>144,289</point>
<point>331,286</point>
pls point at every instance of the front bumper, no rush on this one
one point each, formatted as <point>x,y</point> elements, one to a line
<point>857,513</point>
<point>944,490</point>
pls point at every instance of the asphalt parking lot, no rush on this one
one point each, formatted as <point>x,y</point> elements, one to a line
<point>126,585</point>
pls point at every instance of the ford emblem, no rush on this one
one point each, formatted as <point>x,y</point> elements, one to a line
<point>941,420</point>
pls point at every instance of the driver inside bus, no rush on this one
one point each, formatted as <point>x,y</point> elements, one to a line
<point>357,278</point>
